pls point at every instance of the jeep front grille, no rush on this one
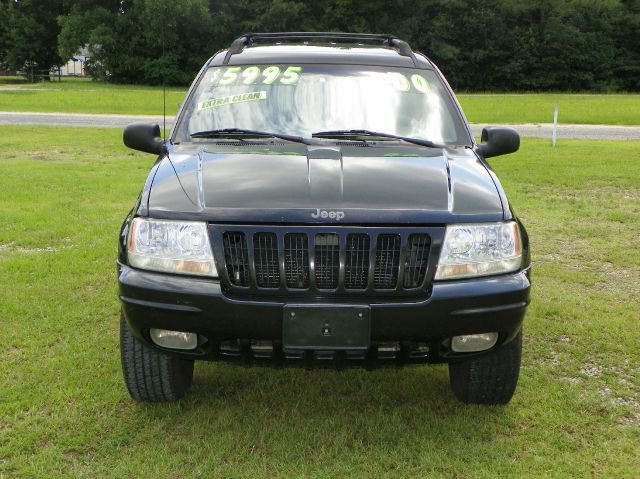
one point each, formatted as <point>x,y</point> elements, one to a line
<point>416,261</point>
<point>296,260</point>
<point>327,261</point>
<point>265,247</point>
<point>385,273</point>
<point>235,258</point>
<point>356,268</point>
<point>322,260</point>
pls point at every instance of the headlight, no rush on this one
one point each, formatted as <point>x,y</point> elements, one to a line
<point>480,250</point>
<point>171,246</point>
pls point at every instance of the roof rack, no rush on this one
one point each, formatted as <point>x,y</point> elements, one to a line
<point>248,39</point>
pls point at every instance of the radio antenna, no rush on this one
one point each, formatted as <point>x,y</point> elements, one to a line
<point>164,87</point>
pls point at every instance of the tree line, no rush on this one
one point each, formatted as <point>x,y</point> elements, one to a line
<point>488,45</point>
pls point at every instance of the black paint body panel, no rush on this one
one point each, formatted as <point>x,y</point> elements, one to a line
<point>287,183</point>
<point>152,300</point>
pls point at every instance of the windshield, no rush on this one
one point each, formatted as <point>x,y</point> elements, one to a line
<point>304,99</point>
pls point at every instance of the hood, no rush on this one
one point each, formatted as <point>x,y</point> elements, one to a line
<point>349,184</point>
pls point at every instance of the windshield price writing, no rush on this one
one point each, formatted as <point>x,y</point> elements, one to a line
<point>257,75</point>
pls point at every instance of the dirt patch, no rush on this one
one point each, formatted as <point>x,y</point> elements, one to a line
<point>46,249</point>
<point>624,399</point>
<point>594,192</point>
<point>12,248</point>
<point>572,380</point>
<point>631,419</point>
<point>591,370</point>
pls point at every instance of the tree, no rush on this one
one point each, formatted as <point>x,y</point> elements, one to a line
<point>176,36</point>
<point>4,31</point>
<point>504,45</point>
<point>127,38</point>
<point>32,32</point>
<point>626,28</point>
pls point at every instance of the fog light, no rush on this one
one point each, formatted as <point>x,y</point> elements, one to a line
<point>174,339</point>
<point>473,342</point>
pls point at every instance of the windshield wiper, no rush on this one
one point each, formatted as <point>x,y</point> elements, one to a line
<point>351,134</point>
<point>241,133</point>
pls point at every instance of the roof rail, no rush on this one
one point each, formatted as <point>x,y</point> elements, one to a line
<point>248,39</point>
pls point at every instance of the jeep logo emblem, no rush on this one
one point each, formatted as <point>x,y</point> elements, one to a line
<point>333,215</point>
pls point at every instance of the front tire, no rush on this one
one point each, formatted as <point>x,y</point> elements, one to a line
<point>151,375</point>
<point>488,379</point>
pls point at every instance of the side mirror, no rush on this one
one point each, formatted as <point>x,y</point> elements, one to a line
<point>498,140</point>
<point>143,137</point>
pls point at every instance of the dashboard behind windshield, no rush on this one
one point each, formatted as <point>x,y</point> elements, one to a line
<point>302,99</point>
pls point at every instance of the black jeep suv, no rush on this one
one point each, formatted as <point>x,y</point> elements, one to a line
<point>321,201</point>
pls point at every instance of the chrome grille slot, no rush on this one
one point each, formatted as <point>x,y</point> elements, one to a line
<point>235,258</point>
<point>415,265</point>
<point>296,260</point>
<point>356,268</point>
<point>385,272</point>
<point>265,251</point>
<point>327,260</point>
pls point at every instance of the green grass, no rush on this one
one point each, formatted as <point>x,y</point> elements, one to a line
<point>81,95</point>
<point>12,80</point>
<point>64,411</point>
<point>78,95</point>
<point>589,109</point>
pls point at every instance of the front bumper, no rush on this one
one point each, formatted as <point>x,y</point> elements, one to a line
<point>155,300</point>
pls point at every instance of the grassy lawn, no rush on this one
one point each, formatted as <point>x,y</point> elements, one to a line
<point>538,108</point>
<point>82,95</point>
<point>64,411</point>
<point>79,95</point>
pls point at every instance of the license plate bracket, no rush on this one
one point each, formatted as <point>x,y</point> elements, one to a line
<point>326,327</point>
